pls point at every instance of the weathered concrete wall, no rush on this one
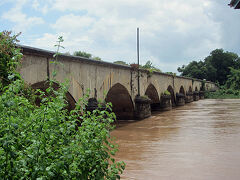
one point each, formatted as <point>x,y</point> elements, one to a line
<point>33,68</point>
<point>210,86</point>
<point>99,77</point>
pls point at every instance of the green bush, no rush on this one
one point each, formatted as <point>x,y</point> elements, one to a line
<point>44,142</point>
<point>229,91</point>
<point>9,58</point>
<point>237,93</point>
<point>166,92</point>
<point>223,94</point>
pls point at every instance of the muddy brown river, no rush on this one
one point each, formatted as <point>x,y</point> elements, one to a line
<point>200,140</point>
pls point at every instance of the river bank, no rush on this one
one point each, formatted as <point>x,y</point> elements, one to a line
<point>223,94</point>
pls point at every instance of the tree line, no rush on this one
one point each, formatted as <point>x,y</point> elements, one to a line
<point>220,66</point>
<point>148,65</point>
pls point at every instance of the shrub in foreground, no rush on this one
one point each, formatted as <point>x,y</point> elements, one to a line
<point>43,143</point>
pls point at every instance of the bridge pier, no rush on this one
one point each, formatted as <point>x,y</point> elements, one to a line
<point>180,99</point>
<point>155,107</point>
<point>189,97</point>
<point>195,95</point>
<point>142,107</point>
<point>166,102</point>
<point>93,104</point>
<point>201,95</point>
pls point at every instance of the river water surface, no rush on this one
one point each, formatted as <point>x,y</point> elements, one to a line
<point>200,140</point>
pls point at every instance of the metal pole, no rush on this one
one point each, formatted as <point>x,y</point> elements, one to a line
<point>138,60</point>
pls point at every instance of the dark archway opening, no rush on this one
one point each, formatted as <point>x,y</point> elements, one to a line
<point>190,89</point>
<point>189,95</point>
<point>152,93</point>
<point>182,91</point>
<point>196,89</point>
<point>180,97</point>
<point>122,104</point>
<point>173,101</point>
<point>43,87</point>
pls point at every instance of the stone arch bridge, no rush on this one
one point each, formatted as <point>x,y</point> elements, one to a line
<point>111,82</point>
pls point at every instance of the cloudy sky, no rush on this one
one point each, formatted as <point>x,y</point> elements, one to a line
<point>172,32</point>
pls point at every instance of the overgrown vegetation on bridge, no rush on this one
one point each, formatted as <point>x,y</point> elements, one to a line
<point>44,142</point>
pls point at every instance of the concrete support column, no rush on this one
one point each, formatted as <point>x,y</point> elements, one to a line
<point>166,102</point>
<point>155,107</point>
<point>93,104</point>
<point>195,95</point>
<point>180,99</point>
<point>189,97</point>
<point>142,107</point>
<point>201,94</point>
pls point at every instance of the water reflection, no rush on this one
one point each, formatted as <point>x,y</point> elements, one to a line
<point>198,141</point>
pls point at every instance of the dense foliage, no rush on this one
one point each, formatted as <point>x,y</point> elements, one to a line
<point>223,93</point>
<point>121,63</point>
<point>82,54</point>
<point>230,90</point>
<point>220,67</point>
<point>9,58</point>
<point>44,142</point>
<point>86,55</point>
<point>233,81</point>
<point>149,66</point>
<point>215,67</point>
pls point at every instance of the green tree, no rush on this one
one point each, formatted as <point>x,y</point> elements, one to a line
<point>171,73</point>
<point>149,66</point>
<point>221,61</point>
<point>120,62</point>
<point>214,67</point>
<point>233,81</point>
<point>97,58</point>
<point>9,58</point>
<point>193,69</point>
<point>86,55</point>
<point>82,54</point>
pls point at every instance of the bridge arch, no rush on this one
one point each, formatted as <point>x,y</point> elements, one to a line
<point>43,85</point>
<point>170,89</point>
<point>152,93</point>
<point>121,100</point>
<point>196,89</point>
<point>190,89</point>
<point>182,91</point>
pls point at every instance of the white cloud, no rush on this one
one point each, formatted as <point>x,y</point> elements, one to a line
<point>41,5</point>
<point>117,20</point>
<point>73,23</point>
<point>48,40</point>
<point>22,21</point>
<point>171,32</point>
<point>35,4</point>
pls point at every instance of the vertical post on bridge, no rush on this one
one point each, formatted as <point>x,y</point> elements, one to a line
<point>142,104</point>
<point>138,60</point>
